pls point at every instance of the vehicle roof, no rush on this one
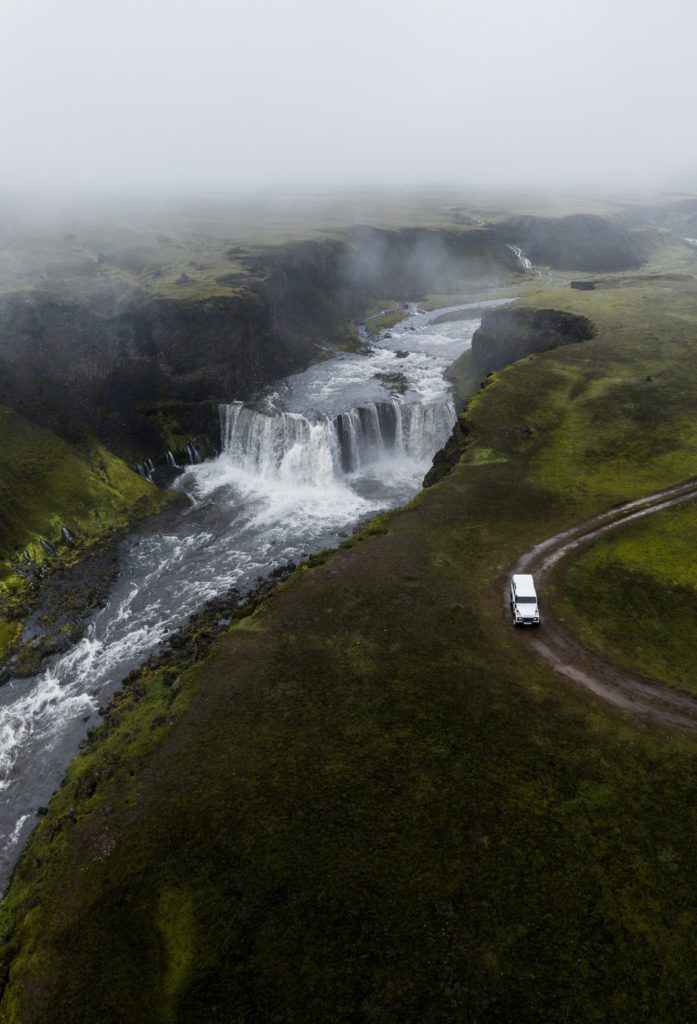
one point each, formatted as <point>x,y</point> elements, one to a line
<point>524,584</point>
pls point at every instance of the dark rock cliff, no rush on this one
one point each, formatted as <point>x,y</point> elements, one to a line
<point>506,335</point>
<point>70,364</point>
<point>579,242</point>
<point>64,366</point>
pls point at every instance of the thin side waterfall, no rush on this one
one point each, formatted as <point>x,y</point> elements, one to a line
<point>523,260</point>
<point>193,453</point>
<point>293,448</point>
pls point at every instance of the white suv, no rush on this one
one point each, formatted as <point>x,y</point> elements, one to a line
<point>524,604</point>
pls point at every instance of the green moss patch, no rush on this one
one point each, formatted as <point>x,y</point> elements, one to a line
<point>385,320</point>
<point>9,635</point>
<point>484,456</point>
<point>175,922</point>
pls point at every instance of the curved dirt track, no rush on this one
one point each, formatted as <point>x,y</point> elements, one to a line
<point>638,694</point>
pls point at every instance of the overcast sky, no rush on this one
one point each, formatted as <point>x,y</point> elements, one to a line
<point>189,95</point>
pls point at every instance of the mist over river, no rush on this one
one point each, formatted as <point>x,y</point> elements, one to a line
<point>320,453</point>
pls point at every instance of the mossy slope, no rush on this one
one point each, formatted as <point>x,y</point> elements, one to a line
<point>45,483</point>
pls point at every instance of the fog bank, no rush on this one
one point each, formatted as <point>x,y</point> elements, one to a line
<point>163,97</point>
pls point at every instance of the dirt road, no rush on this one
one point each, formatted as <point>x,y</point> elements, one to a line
<point>638,694</point>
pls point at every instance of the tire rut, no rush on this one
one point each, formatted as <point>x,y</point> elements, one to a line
<point>640,695</point>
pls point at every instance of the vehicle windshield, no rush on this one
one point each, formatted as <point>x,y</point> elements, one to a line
<point>525,600</point>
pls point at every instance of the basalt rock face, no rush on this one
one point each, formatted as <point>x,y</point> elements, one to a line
<point>579,242</point>
<point>449,455</point>
<point>507,335</point>
<point>69,364</point>
<point>65,367</point>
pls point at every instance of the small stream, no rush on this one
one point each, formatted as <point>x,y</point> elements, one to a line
<point>319,454</point>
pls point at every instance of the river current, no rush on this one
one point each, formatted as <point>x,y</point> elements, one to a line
<point>300,468</point>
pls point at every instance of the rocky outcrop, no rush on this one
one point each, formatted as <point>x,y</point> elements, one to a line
<point>449,455</point>
<point>506,335</point>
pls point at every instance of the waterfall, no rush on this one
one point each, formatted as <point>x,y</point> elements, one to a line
<point>171,461</point>
<point>286,447</point>
<point>523,260</point>
<point>292,448</point>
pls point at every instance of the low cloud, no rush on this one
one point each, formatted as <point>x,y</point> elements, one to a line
<point>155,97</point>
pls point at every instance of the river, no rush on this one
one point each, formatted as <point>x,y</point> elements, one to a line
<point>320,453</point>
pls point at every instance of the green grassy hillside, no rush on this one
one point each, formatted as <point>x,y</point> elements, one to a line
<point>370,803</point>
<point>45,484</point>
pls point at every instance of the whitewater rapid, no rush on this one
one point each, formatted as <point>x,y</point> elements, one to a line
<point>299,469</point>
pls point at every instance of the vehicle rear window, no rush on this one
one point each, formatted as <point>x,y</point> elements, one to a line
<point>525,600</point>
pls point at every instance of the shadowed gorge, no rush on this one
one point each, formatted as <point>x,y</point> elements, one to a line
<point>313,456</point>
